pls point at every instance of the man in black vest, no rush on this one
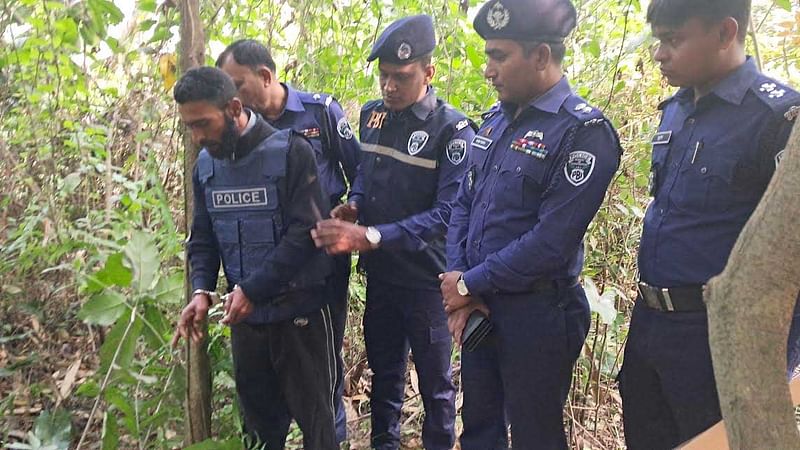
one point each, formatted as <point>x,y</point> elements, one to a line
<point>254,188</point>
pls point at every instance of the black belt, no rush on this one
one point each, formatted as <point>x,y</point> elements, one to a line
<point>541,286</point>
<point>677,299</point>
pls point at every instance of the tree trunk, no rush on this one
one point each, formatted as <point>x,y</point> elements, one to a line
<point>749,311</point>
<point>198,366</point>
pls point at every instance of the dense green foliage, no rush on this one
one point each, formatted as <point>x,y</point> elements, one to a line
<point>91,213</point>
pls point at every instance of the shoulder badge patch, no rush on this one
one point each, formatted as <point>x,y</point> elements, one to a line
<point>457,151</point>
<point>461,125</point>
<point>579,167</point>
<point>344,129</point>
<point>792,113</point>
<point>417,142</point>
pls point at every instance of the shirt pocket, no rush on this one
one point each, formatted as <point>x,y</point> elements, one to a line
<point>227,234</point>
<point>521,183</point>
<point>258,240</point>
<point>707,185</point>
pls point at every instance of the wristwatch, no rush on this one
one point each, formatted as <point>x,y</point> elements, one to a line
<point>461,287</point>
<point>373,236</point>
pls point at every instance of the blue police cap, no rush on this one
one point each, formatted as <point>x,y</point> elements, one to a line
<point>526,20</point>
<point>405,40</point>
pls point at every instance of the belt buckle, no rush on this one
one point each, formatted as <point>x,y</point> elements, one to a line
<point>668,306</point>
<point>650,295</point>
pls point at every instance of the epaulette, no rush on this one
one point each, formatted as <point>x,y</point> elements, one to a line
<point>777,96</point>
<point>585,113</point>
<point>491,112</point>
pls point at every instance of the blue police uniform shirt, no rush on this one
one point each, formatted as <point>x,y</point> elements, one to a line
<point>411,164</point>
<point>533,185</point>
<point>712,162</point>
<point>320,118</point>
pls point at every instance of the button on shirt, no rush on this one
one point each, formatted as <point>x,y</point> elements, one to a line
<point>411,165</point>
<point>712,161</point>
<point>533,185</point>
<point>321,119</point>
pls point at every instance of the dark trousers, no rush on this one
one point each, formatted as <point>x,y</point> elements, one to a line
<point>287,370</point>
<point>522,373</point>
<point>340,281</point>
<point>669,394</point>
<point>395,319</point>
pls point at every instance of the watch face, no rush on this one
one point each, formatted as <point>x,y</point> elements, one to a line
<point>373,236</point>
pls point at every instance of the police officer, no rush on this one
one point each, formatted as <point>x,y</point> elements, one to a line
<point>414,151</point>
<point>537,173</point>
<point>253,187</point>
<point>719,141</point>
<point>320,118</point>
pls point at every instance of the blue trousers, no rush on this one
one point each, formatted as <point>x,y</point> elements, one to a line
<point>669,394</point>
<point>396,319</point>
<point>522,373</point>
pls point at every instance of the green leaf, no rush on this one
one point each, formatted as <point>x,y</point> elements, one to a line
<point>211,444</point>
<point>114,272</point>
<point>103,309</point>
<point>114,340</point>
<point>142,255</point>
<point>785,4</point>
<point>88,389</point>
<point>169,290</point>
<point>115,397</point>
<point>110,432</point>
<point>155,335</point>
<point>54,429</point>
<point>592,47</point>
<point>147,5</point>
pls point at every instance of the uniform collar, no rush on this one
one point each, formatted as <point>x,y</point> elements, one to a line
<point>550,102</point>
<point>422,108</point>
<point>293,102</point>
<point>251,121</point>
<point>731,89</point>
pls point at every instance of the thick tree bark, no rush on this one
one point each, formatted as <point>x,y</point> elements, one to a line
<point>749,311</point>
<point>198,366</point>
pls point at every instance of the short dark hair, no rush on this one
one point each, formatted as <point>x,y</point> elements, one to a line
<point>206,84</point>
<point>424,60</point>
<point>557,49</point>
<point>248,52</point>
<point>675,13</point>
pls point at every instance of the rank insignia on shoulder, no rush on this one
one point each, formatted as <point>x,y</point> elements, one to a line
<point>310,132</point>
<point>462,124</point>
<point>773,90</point>
<point>579,167</point>
<point>487,131</point>
<point>792,113</point>
<point>662,137</point>
<point>583,107</point>
<point>531,144</point>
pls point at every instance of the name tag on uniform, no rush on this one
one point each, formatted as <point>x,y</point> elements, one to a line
<point>662,138</point>
<point>481,142</point>
<point>239,198</point>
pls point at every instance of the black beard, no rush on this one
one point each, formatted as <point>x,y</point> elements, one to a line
<point>226,146</point>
